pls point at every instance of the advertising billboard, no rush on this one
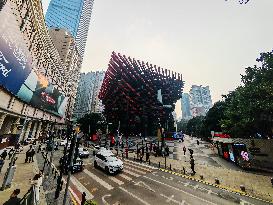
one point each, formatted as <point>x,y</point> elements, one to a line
<point>16,73</point>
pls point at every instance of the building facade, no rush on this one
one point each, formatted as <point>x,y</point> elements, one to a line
<point>34,83</point>
<point>73,15</point>
<point>87,100</point>
<point>185,106</point>
<point>200,100</point>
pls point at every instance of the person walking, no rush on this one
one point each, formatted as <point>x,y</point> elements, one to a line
<point>27,156</point>
<point>2,162</point>
<point>197,142</point>
<point>192,165</point>
<point>31,155</point>
<point>10,153</point>
<point>13,200</point>
<point>184,150</point>
<point>83,198</point>
<point>147,156</point>
<point>4,155</point>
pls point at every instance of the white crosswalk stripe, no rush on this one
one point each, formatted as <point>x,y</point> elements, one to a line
<point>131,173</point>
<point>136,170</point>
<point>99,180</point>
<point>125,177</point>
<point>114,179</point>
<point>80,187</point>
<point>138,166</point>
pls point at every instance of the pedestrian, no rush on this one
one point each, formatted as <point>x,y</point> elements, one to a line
<point>167,151</point>
<point>4,155</point>
<point>197,142</point>
<point>27,156</point>
<point>184,150</point>
<point>37,182</point>
<point>31,155</point>
<point>83,198</point>
<point>147,156</point>
<point>13,200</point>
<point>2,162</point>
<point>39,148</point>
<point>191,153</point>
<point>192,166</point>
<point>10,153</point>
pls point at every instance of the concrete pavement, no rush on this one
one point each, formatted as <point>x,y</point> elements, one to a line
<point>23,174</point>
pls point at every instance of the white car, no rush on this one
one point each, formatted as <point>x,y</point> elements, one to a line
<point>106,160</point>
<point>83,152</point>
<point>30,140</point>
<point>63,143</point>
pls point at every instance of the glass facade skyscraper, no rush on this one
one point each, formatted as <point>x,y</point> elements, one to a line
<point>73,15</point>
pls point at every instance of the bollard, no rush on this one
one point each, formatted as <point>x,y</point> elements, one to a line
<point>52,170</point>
<point>242,187</point>
<point>94,152</point>
<point>134,158</point>
<point>159,164</point>
<point>165,162</point>
<point>170,167</point>
<point>149,162</point>
<point>217,181</point>
<point>271,181</point>
<point>184,170</point>
<point>201,177</point>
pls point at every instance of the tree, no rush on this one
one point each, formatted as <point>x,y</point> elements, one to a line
<point>195,126</point>
<point>212,121</point>
<point>90,123</point>
<point>249,109</point>
<point>182,125</point>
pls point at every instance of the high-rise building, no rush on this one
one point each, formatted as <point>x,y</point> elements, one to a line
<point>73,15</point>
<point>87,100</point>
<point>185,105</point>
<point>200,100</point>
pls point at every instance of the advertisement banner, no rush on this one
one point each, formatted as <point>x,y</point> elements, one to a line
<point>16,73</point>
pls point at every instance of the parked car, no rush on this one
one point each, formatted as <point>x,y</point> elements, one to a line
<point>107,161</point>
<point>83,153</point>
<point>77,166</point>
<point>63,142</point>
<point>29,141</point>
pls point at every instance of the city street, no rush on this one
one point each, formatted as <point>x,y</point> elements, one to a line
<point>144,184</point>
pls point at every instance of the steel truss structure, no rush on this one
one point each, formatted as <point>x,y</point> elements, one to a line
<point>130,94</point>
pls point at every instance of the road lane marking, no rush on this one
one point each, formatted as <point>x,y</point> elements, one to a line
<point>103,199</point>
<point>80,187</point>
<point>171,199</point>
<point>138,166</point>
<point>136,170</point>
<point>142,184</point>
<point>74,195</point>
<point>136,197</point>
<point>179,190</point>
<point>116,180</point>
<point>99,180</point>
<point>125,177</point>
<point>131,173</point>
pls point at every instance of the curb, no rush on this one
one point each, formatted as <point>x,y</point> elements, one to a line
<point>235,191</point>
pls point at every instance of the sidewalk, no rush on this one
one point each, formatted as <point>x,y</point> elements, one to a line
<point>24,172</point>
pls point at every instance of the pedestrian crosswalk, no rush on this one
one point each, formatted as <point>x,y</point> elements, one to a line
<point>94,181</point>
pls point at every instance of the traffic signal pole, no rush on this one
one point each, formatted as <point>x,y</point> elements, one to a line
<point>70,168</point>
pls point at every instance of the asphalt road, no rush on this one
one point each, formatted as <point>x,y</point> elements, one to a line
<point>142,184</point>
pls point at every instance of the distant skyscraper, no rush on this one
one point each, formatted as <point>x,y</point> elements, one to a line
<point>200,100</point>
<point>87,100</point>
<point>73,15</point>
<point>185,105</point>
